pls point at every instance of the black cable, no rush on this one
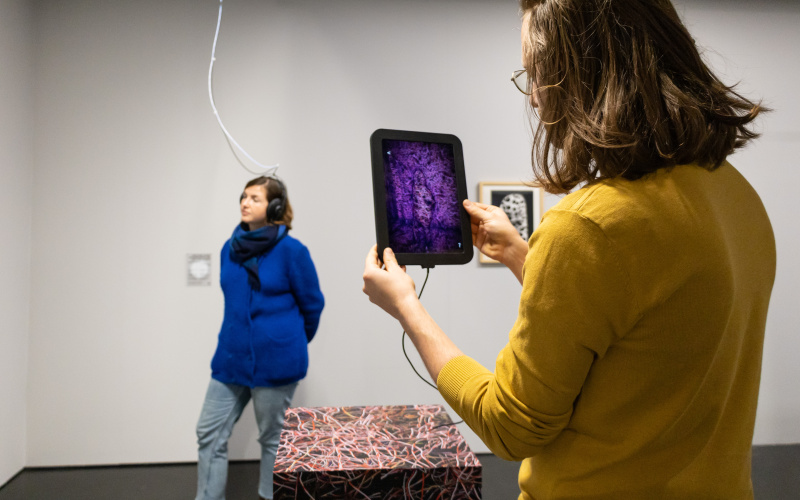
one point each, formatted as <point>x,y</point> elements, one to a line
<point>403,342</point>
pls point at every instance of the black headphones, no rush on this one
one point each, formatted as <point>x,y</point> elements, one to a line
<point>277,205</point>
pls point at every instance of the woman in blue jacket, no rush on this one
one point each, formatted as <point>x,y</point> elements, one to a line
<point>272,309</point>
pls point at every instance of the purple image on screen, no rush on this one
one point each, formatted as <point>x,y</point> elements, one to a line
<point>422,203</point>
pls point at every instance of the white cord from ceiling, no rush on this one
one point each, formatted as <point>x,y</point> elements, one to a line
<point>267,169</point>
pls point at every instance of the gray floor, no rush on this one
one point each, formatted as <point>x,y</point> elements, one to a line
<point>776,476</point>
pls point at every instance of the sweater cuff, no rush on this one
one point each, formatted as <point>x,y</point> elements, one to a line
<point>454,374</point>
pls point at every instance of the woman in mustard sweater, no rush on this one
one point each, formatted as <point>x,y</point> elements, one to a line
<point>633,368</point>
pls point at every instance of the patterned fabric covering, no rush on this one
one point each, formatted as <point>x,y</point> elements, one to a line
<point>374,452</point>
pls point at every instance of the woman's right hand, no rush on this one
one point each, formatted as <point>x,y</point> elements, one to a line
<point>495,236</point>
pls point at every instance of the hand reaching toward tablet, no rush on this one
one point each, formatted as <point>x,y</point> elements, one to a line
<point>495,236</point>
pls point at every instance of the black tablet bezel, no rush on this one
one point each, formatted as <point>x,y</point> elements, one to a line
<point>379,196</point>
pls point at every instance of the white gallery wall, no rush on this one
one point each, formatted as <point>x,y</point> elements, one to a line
<point>132,174</point>
<point>16,176</point>
<point>756,42</point>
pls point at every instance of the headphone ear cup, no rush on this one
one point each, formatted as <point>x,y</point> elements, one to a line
<point>275,210</point>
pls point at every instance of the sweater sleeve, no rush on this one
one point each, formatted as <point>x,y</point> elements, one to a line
<point>574,304</point>
<point>305,288</point>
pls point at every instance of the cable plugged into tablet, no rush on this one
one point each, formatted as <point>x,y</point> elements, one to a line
<point>405,353</point>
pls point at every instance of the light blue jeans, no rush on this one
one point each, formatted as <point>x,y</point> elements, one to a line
<point>222,408</point>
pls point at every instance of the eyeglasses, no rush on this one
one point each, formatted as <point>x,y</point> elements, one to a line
<point>522,81</point>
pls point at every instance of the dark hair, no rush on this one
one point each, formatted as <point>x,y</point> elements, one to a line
<point>623,92</point>
<point>275,188</point>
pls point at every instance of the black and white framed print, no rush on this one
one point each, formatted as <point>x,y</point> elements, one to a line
<point>522,203</point>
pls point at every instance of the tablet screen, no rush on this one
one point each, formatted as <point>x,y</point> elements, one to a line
<point>422,206</point>
<point>420,194</point>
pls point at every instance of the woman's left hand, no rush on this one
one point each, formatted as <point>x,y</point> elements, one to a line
<point>389,287</point>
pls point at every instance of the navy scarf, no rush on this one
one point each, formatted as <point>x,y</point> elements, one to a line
<point>248,246</point>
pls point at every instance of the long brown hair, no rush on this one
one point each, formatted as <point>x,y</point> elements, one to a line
<point>623,91</point>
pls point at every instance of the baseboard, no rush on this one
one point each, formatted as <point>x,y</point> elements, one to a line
<point>793,448</point>
<point>13,477</point>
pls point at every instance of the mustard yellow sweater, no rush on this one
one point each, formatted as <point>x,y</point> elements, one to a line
<point>633,368</point>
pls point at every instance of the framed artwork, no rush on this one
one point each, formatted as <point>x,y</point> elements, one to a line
<point>198,269</point>
<point>522,203</point>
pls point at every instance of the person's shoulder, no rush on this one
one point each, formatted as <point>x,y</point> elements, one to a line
<point>599,202</point>
<point>291,244</point>
<point>620,208</point>
<point>653,195</point>
<point>669,200</point>
<point>291,241</point>
<point>600,196</point>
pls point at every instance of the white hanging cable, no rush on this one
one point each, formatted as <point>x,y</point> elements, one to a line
<point>268,169</point>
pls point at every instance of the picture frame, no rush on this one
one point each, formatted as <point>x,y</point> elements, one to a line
<point>523,203</point>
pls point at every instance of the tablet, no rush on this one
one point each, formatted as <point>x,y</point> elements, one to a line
<point>419,186</point>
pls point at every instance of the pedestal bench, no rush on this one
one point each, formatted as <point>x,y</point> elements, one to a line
<point>374,452</point>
